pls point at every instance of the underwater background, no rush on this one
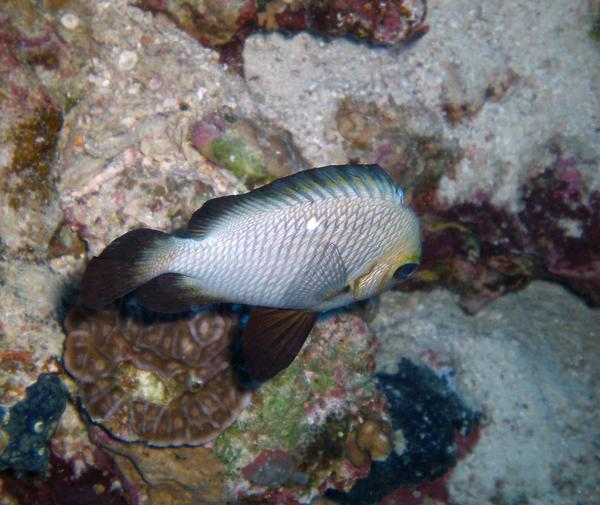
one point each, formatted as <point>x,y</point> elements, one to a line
<point>475,383</point>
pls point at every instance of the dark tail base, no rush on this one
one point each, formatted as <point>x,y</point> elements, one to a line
<point>124,265</point>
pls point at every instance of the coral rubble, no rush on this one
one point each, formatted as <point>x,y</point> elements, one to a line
<point>168,383</point>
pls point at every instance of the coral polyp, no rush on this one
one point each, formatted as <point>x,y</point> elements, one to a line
<point>168,383</point>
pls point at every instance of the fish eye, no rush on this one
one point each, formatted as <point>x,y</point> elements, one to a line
<point>405,270</point>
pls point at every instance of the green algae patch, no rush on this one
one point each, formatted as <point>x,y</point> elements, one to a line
<point>307,411</point>
<point>275,421</point>
<point>238,157</point>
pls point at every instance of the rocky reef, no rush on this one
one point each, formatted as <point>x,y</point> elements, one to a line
<point>25,428</point>
<point>255,151</point>
<point>293,440</point>
<point>226,25</point>
<point>42,62</point>
<point>476,381</point>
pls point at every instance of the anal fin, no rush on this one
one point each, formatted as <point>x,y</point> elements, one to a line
<point>272,339</point>
<point>172,293</point>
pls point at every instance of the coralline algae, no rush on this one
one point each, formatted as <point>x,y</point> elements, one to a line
<point>482,250</point>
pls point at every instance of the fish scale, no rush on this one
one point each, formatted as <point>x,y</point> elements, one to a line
<point>244,266</point>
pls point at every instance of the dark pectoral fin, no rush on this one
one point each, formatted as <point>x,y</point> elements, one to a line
<point>171,293</point>
<point>272,339</point>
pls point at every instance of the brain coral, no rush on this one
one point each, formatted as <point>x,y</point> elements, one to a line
<point>166,382</point>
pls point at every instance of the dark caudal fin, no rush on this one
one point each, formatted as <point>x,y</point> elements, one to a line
<point>272,339</point>
<point>128,262</point>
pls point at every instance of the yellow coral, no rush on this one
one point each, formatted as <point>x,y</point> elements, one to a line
<point>372,441</point>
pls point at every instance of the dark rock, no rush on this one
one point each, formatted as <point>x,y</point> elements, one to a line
<point>426,415</point>
<point>62,485</point>
<point>30,423</point>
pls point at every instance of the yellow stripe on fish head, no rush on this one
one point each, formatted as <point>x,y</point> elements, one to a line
<point>396,263</point>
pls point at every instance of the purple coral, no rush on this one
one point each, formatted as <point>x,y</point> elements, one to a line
<point>482,250</point>
<point>564,225</point>
<point>378,22</point>
<point>168,383</point>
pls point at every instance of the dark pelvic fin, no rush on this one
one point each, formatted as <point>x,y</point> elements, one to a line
<point>272,339</point>
<point>125,264</point>
<point>171,293</point>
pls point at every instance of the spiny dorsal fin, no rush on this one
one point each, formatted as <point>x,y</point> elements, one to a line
<point>335,181</point>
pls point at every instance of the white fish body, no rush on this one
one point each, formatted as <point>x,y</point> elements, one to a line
<point>298,256</point>
<point>309,242</point>
<point>296,245</point>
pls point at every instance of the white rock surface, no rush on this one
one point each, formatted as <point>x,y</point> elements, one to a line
<point>299,81</point>
<point>530,361</point>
